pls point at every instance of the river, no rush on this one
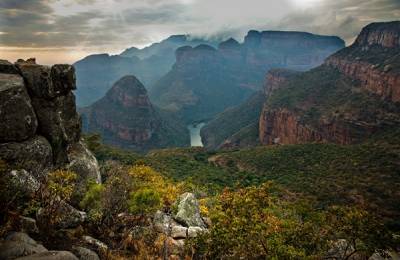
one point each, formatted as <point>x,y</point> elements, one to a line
<point>195,138</point>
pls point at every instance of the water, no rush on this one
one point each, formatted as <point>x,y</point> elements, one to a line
<point>195,138</point>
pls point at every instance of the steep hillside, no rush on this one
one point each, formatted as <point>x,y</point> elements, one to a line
<point>126,118</point>
<point>232,122</point>
<point>96,73</point>
<point>205,81</point>
<point>353,95</point>
<point>238,126</point>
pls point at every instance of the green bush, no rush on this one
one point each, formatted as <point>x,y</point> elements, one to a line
<point>145,201</point>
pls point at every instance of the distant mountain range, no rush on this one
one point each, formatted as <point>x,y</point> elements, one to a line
<point>97,73</point>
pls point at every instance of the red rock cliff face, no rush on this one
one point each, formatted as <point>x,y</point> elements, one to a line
<point>283,127</point>
<point>383,83</point>
<point>371,61</point>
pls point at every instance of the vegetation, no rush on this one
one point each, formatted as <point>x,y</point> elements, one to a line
<point>232,121</point>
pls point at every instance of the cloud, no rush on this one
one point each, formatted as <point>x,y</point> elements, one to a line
<point>113,25</point>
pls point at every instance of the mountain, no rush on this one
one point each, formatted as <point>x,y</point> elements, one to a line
<point>205,81</point>
<point>96,73</point>
<point>126,118</point>
<point>352,96</point>
<point>238,126</point>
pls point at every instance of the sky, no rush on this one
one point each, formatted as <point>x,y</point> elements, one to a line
<point>64,31</point>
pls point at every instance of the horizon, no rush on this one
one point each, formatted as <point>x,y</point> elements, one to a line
<point>66,31</point>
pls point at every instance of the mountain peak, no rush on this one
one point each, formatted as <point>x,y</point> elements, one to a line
<point>129,92</point>
<point>386,34</point>
<point>229,44</point>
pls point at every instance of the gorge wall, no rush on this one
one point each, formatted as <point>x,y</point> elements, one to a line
<point>352,96</point>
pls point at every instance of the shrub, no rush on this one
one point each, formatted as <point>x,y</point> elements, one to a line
<point>145,201</point>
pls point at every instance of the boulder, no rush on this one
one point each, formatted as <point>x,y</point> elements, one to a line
<point>38,79</point>
<point>340,249</point>
<point>194,231</point>
<point>85,254</point>
<point>59,123</point>
<point>28,225</point>
<point>161,222</point>
<point>18,120</point>
<point>50,255</point>
<point>84,164</point>
<point>7,67</point>
<point>385,255</point>
<point>100,246</point>
<point>188,211</point>
<point>46,82</point>
<point>19,244</point>
<point>34,155</point>
<point>68,216</point>
<point>24,182</point>
<point>178,231</point>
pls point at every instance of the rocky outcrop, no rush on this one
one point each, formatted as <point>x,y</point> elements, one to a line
<point>185,223</point>
<point>18,245</point>
<point>373,60</point>
<point>40,127</point>
<point>354,95</point>
<point>188,211</point>
<point>384,34</point>
<point>126,118</point>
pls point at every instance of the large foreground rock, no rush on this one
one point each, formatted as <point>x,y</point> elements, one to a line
<point>19,244</point>
<point>48,82</point>
<point>85,254</point>
<point>33,155</point>
<point>18,120</point>
<point>68,216</point>
<point>188,211</point>
<point>51,255</point>
<point>84,164</point>
<point>59,123</point>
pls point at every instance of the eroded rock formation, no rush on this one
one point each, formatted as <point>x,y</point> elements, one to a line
<point>126,118</point>
<point>40,127</point>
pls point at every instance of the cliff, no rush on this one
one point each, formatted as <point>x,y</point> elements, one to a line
<point>202,75</point>
<point>349,98</point>
<point>126,118</point>
<point>40,128</point>
<point>374,60</point>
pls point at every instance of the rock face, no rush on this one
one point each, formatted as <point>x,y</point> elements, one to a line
<point>188,211</point>
<point>372,60</point>
<point>16,112</point>
<point>203,74</point>
<point>40,127</point>
<point>352,96</point>
<point>125,117</point>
